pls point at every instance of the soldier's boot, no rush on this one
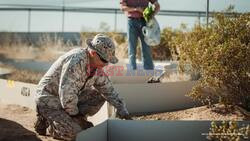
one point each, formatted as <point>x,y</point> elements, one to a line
<point>82,121</point>
<point>86,124</point>
<point>41,125</point>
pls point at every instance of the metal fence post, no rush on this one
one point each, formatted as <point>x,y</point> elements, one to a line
<point>207,13</point>
<point>29,20</point>
<point>63,16</point>
<point>115,28</point>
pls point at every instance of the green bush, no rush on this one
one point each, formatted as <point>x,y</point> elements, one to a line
<point>221,53</point>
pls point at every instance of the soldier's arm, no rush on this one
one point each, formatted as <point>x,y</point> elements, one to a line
<point>105,87</point>
<point>69,86</point>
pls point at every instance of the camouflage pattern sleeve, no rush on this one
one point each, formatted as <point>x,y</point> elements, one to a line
<point>105,87</point>
<point>70,84</point>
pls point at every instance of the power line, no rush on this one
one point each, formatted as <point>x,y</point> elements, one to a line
<point>51,5</point>
<point>28,5</point>
<point>109,10</point>
<point>83,1</point>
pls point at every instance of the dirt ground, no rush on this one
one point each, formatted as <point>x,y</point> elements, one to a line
<point>198,113</point>
<point>16,124</point>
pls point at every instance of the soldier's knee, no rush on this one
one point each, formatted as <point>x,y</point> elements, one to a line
<point>48,102</point>
<point>68,133</point>
<point>73,133</point>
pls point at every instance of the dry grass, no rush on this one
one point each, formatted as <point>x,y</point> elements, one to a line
<point>47,49</point>
<point>18,52</point>
<point>51,48</point>
<point>122,51</point>
<point>175,77</point>
<point>26,76</point>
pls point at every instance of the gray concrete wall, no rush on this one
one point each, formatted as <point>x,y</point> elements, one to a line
<point>97,133</point>
<point>124,75</point>
<point>100,116</point>
<point>13,92</point>
<point>159,97</point>
<point>124,130</point>
<point>140,98</point>
<point>128,76</point>
<point>157,130</point>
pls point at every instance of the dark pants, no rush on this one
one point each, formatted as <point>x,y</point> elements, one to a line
<point>134,32</point>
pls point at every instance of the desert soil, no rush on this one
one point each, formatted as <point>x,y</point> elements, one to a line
<point>16,122</point>
<point>198,113</point>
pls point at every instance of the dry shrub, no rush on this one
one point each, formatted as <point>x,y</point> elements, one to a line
<point>228,131</point>
<point>174,77</point>
<point>221,53</point>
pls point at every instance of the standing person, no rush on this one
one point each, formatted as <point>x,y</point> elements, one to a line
<point>73,88</point>
<point>134,11</point>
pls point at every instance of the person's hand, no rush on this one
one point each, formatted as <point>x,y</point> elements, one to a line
<point>125,116</point>
<point>139,9</point>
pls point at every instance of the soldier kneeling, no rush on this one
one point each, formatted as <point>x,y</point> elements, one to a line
<point>70,91</point>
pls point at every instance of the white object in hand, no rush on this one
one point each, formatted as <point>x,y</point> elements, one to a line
<point>152,33</point>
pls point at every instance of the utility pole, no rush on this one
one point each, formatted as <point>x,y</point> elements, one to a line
<point>115,21</point>
<point>199,18</point>
<point>63,15</point>
<point>29,25</point>
<point>207,13</point>
<point>29,20</point>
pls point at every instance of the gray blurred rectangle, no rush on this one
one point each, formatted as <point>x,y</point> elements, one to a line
<point>121,130</point>
<point>156,97</point>
<point>97,133</point>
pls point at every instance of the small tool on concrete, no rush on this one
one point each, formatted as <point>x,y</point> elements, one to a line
<point>157,79</point>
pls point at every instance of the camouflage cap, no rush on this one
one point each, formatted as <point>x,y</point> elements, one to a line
<point>104,46</point>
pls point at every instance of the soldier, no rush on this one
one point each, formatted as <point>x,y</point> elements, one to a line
<point>70,91</point>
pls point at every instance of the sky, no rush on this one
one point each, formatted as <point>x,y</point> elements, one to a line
<point>17,21</point>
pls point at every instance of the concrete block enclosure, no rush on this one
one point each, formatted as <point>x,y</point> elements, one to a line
<point>140,97</point>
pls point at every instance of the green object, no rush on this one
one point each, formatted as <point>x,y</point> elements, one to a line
<point>148,12</point>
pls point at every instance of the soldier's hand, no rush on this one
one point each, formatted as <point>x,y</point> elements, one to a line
<point>125,116</point>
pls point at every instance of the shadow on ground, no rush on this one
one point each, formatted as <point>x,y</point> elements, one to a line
<point>13,131</point>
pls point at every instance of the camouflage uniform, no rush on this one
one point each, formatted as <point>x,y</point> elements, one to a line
<point>67,89</point>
